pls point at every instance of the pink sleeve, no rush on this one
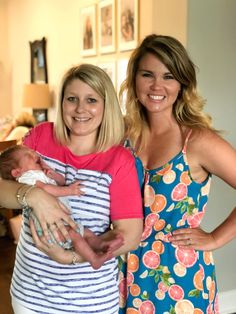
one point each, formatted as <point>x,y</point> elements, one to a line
<point>126,201</point>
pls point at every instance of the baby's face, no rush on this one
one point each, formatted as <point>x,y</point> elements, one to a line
<point>29,160</point>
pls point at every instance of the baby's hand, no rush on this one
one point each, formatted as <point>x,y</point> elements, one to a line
<point>75,188</point>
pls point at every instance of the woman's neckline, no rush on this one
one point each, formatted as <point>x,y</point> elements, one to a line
<point>155,169</point>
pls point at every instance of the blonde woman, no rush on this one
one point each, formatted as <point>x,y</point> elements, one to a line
<point>177,150</point>
<point>84,145</point>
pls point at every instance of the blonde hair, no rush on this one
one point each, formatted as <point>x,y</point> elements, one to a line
<point>111,130</point>
<point>189,104</point>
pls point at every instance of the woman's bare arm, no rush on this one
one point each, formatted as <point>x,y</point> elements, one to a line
<point>8,191</point>
<point>48,209</point>
<point>216,156</point>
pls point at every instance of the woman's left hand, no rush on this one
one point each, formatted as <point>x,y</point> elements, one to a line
<point>53,250</point>
<point>194,238</point>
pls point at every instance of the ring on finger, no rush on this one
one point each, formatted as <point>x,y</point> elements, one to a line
<point>189,241</point>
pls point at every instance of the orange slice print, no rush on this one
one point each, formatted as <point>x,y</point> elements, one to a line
<point>149,195</point>
<point>151,219</point>
<point>159,224</point>
<point>151,259</point>
<point>146,233</point>
<point>198,278</point>
<point>195,220</point>
<point>176,292</point>
<point>134,290</point>
<point>184,306</point>
<point>184,178</point>
<point>131,311</point>
<point>147,307</point>
<point>180,270</point>
<point>159,203</point>
<point>164,170</point>
<point>158,247</point>
<point>162,287</point>
<point>179,192</point>
<point>207,257</point>
<point>130,278</point>
<point>186,257</point>
<point>133,263</point>
<point>209,309</point>
<point>137,302</point>
<point>169,177</point>
<point>212,291</point>
<point>198,311</point>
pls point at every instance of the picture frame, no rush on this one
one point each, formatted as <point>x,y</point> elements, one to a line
<point>38,61</point>
<point>106,26</point>
<point>110,69</point>
<point>127,22</point>
<point>89,35</point>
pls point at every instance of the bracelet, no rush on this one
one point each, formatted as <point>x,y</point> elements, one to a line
<point>22,198</point>
<point>74,258</point>
<point>18,194</point>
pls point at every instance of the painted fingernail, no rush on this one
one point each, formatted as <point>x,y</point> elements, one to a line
<point>40,233</point>
<point>50,241</point>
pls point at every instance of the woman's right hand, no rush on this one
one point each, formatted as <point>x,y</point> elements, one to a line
<point>51,213</point>
<point>53,250</point>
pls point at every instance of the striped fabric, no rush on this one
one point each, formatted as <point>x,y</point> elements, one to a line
<point>48,287</point>
<point>111,193</point>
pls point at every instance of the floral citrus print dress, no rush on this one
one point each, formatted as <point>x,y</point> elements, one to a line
<point>160,277</point>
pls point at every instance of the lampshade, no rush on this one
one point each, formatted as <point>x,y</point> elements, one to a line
<point>36,96</point>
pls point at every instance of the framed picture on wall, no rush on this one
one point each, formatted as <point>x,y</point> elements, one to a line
<point>127,23</point>
<point>38,61</point>
<point>106,26</point>
<point>110,69</point>
<point>88,22</point>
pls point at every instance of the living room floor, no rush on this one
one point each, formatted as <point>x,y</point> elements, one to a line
<point>7,256</point>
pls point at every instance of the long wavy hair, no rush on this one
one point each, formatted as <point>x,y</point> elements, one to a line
<point>188,108</point>
<point>111,130</point>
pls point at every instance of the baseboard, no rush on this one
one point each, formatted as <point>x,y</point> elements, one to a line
<point>227,302</point>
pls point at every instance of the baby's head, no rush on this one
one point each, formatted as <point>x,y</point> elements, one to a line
<point>16,160</point>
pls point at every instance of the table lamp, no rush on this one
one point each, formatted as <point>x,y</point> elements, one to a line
<point>37,97</point>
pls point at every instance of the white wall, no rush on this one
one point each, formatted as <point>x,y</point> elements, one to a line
<point>212,45</point>
<point>5,70</point>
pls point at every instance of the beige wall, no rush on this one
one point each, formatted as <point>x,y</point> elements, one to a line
<point>5,68</point>
<point>212,45</point>
<point>166,17</point>
<point>59,22</point>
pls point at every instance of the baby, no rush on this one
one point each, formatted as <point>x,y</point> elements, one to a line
<point>24,165</point>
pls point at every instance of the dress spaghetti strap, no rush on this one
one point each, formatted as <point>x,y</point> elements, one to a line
<point>186,141</point>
